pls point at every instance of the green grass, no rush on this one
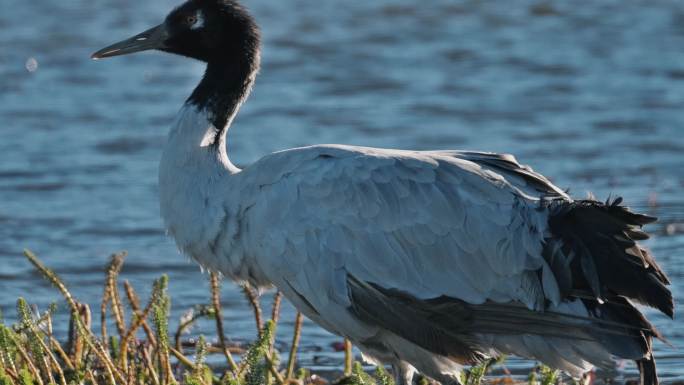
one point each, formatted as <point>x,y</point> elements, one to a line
<point>141,349</point>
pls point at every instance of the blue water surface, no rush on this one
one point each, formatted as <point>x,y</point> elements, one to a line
<point>589,93</point>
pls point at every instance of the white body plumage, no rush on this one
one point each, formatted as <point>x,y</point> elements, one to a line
<point>428,223</point>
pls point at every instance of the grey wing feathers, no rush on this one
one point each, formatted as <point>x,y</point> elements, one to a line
<point>508,165</point>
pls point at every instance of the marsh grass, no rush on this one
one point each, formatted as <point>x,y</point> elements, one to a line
<point>141,349</point>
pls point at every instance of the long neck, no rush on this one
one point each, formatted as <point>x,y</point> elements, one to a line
<point>226,84</point>
<point>195,174</point>
<point>222,90</point>
<point>194,163</point>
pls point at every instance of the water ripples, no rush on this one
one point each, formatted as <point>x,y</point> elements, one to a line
<point>591,96</point>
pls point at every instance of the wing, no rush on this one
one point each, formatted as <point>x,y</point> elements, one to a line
<point>465,225</point>
<point>523,177</point>
<point>457,252</point>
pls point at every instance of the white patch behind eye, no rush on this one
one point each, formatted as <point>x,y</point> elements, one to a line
<point>200,20</point>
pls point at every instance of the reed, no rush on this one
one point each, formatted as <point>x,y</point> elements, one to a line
<point>142,349</point>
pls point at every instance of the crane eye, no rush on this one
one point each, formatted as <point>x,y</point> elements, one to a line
<point>190,20</point>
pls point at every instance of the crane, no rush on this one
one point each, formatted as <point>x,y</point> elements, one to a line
<point>426,260</point>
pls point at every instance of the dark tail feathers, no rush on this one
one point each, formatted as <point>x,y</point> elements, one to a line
<point>594,253</point>
<point>607,259</point>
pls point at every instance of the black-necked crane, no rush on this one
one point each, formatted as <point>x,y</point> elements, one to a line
<point>426,260</point>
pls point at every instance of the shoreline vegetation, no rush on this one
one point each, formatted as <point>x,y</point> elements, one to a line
<point>142,350</point>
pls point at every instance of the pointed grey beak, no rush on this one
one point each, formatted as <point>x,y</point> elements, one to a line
<point>153,38</point>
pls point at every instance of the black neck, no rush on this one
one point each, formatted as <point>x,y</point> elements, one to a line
<point>229,74</point>
<point>222,89</point>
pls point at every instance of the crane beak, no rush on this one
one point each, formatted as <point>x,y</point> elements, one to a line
<point>153,38</point>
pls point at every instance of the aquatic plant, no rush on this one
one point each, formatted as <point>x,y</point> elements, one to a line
<point>141,350</point>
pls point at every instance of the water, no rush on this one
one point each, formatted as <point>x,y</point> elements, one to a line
<point>590,94</point>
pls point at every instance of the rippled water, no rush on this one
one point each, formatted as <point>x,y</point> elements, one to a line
<point>589,93</point>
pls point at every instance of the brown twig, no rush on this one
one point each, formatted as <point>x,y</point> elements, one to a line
<point>62,354</point>
<point>182,358</point>
<point>112,371</point>
<point>54,345</point>
<point>98,349</point>
<point>273,369</point>
<point>254,301</point>
<point>76,338</point>
<point>53,360</point>
<point>130,375</point>
<point>103,314</point>
<point>295,345</point>
<point>149,365</point>
<point>170,379</point>
<point>216,302</point>
<point>113,271</point>
<point>89,374</point>
<point>24,355</point>
<point>139,320</point>
<point>57,367</point>
<point>12,374</point>
<point>348,357</point>
<point>53,278</point>
<point>135,306</point>
<point>275,310</point>
<point>275,316</point>
<point>77,311</point>
<point>179,332</point>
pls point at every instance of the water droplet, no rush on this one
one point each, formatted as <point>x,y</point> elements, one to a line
<point>31,64</point>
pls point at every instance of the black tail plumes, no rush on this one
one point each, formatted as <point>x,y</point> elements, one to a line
<point>608,261</point>
<point>594,252</point>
